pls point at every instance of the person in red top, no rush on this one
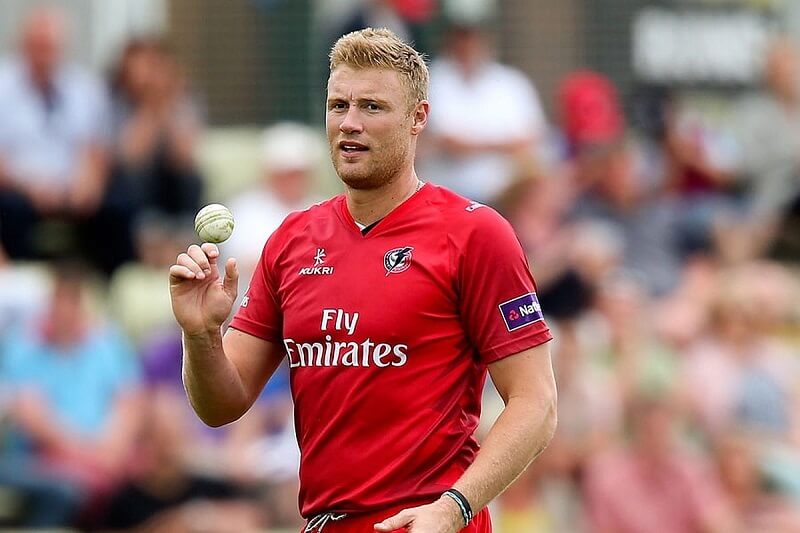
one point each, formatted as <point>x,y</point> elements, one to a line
<point>389,303</point>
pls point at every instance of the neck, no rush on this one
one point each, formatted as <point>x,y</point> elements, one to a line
<point>368,206</point>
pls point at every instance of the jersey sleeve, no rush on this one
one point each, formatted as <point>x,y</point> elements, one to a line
<point>498,303</point>
<point>259,313</point>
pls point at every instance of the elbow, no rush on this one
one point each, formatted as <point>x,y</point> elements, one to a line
<point>216,420</point>
<point>220,414</point>
<point>217,423</point>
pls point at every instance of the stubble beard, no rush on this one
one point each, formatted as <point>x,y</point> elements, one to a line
<point>375,172</point>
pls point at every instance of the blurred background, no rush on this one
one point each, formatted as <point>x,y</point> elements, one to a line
<point>646,152</point>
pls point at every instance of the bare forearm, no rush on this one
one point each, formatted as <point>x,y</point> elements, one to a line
<point>519,435</point>
<point>212,382</point>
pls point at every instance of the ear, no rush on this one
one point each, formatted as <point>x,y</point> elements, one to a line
<point>420,117</point>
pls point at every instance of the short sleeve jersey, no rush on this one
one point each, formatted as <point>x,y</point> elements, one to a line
<point>388,336</point>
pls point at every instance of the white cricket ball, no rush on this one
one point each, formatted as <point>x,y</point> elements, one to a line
<point>214,223</point>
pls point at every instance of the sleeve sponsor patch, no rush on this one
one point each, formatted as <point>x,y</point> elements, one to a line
<point>521,311</point>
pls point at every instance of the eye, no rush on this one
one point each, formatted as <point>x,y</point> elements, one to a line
<point>372,106</point>
<point>338,106</point>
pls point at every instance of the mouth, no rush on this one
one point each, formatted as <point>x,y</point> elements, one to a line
<point>352,147</point>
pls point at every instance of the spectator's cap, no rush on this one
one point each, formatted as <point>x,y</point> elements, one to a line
<point>590,109</point>
<point>469,14</point>
<point>290,146</point>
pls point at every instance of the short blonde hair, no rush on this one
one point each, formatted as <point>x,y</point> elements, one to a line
<point>381,48</point>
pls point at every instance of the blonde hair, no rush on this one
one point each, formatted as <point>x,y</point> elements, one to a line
<point>381,48</point>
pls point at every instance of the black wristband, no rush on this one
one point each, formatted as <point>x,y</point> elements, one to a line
<point>462,502</point>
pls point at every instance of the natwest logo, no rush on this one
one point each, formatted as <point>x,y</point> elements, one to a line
<point>317,269</point>
<point>521,311</point>
<point>530,309</point>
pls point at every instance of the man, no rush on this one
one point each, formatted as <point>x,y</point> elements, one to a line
<point>478,150</point>
<point>74,404</point>
<point>389,302</point>
<point>653,484</point>
<point>53,152</point>
<point>768,138</point>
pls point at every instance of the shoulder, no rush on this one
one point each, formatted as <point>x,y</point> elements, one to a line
<point>467,220</point>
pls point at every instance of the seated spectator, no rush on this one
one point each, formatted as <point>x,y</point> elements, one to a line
<point>738,373</point>
<point>53,155</point>
<point>291,154</point>
<point>485,121</point>
<point>163,493</point>
<point>694,165</point>
<point>770,135</point>
<point>616,193</point>
<point>759,507</point>
<point>74,401</point>
<point>769,140</point>
<point>627,349</point>
<point>537,209</point>
<point>155,128</point>
<point>257,453</point>
<point>653,485</point>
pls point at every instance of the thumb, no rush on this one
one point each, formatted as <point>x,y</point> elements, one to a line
<point>401,519</point>
<point>231,281</point>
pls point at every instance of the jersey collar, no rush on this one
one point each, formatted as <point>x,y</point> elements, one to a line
<point>375,228</point>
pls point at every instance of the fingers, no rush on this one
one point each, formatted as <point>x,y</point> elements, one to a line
<point>201,259</point>
<point>212,253</point>
<point>401,519</point>
<point>210,249</point>
<point>190,264</point>
<point>180,272</point>
<point>231,281</point>
<point>200,262</point>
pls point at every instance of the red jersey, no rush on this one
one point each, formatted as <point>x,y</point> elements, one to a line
<point>387,337</point>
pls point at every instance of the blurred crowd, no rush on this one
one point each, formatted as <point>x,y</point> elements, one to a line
<point>665,253</point>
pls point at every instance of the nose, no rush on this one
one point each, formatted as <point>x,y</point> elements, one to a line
<point>351,122</point>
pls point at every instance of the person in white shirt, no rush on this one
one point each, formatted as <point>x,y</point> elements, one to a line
<point>291,154</point>
<point>54,149</point>
<point>486,118</point>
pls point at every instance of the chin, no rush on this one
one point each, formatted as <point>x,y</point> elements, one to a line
<point>361,182</point>
<point>357,177</point>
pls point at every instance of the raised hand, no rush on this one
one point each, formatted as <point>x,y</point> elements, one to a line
<point>201,300</point>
